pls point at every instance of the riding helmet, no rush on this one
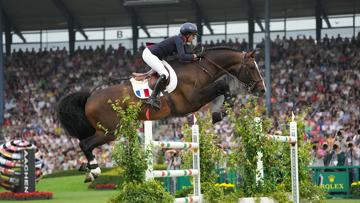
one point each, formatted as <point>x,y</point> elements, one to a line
<point>188,28</point>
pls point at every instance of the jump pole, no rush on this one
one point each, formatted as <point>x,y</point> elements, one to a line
<point>292,139</point>
<point>195,171</point>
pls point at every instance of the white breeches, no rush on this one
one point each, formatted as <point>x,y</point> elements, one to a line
<point>154,62</point>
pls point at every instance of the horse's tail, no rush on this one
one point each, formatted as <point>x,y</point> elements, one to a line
<point>71,113</point>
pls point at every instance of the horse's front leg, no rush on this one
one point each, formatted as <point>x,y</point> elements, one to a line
<point>210,92</point>
<point>215,92</point>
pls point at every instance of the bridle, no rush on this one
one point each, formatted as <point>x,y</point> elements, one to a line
<point>249,86</point>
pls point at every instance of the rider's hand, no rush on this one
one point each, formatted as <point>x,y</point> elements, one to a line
<point>200,53</point>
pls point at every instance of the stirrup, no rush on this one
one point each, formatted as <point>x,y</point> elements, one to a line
<point>154,103</point>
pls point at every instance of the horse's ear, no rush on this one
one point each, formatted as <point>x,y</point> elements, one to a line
<point>251,54</point>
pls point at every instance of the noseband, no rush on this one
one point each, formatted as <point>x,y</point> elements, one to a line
<point>250,86</point>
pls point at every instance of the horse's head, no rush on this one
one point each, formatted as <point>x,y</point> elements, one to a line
<point>241,65</point>
<point>247,71</point>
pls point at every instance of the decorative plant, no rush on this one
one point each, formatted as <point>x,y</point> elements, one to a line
<point>211,156</point>
<point>131,156</point>
<point>226,187</point>
<point>355,189</point>
<point>275,157</point>
<point>25,195</point>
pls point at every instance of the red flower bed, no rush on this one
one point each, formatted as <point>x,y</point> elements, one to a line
<point>108,186</point>
<point>25,195</point>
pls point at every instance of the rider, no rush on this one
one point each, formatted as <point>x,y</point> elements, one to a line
<point>154,54</point>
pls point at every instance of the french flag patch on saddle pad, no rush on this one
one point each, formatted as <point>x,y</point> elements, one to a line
<point>141,88</point>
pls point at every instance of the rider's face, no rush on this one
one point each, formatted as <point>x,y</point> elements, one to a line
<point>190,38</point>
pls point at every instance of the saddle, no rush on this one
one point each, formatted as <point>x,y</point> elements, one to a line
<point>151,76</point>
<point>143,83</point>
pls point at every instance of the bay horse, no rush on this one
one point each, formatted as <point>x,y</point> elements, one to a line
<point>80,112</point>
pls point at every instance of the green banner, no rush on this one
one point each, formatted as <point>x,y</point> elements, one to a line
<point>333,181</point>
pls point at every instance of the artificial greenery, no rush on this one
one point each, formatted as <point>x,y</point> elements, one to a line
<point>210,157</point>
<point>219,193</point>
<point>131,156</point>
<point>185,191</point>
<point>146,192</point>
<point>159,166</point>
<point>213,193</point>
<point>249,141</point>
<point>128,152</point>
<point>276,158</point>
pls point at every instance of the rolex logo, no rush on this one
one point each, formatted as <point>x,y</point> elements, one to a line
<point>331,178</point>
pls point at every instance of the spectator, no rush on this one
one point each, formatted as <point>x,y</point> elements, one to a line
<point>352,155</point>
<point>337,156</point>
<point>174,163</point>
<point>318,155</point>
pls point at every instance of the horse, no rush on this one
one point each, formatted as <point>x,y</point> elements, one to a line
<point>198,84</point>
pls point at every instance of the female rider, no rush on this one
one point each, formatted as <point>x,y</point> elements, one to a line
<point>170,46</point>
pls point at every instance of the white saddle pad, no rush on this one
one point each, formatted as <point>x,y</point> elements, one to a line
<point>142,90</point>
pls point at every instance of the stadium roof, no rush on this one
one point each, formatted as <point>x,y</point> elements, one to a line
<point>25,15</point>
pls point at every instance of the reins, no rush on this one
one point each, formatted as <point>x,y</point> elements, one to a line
<point>249,86</point>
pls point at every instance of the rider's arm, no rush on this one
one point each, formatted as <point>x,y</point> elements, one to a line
<point>181,51</point>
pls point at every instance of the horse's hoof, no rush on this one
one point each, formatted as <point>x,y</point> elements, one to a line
<point>89,178</point>
<point>217,116</point>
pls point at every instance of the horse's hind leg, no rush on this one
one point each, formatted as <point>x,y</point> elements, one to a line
<point>87,145</point>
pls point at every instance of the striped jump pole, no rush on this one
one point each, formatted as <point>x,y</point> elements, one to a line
<point>292,139</point>
<point>194,172</point>
<point>174,173</point>
<point>187,199</point>
<point>176,145</point>
<point>294,162</point>
<point>196,159</point>
<point>148,142</point>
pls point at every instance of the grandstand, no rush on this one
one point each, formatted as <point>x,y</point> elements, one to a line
<point>55,47</point>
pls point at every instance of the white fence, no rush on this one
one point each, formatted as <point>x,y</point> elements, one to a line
<point>292,139</point>
<point>195,171</point>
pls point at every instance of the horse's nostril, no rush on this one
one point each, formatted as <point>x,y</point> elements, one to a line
<point>263,91</point>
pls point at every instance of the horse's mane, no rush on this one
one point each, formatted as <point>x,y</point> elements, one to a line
<point>175,59</point>
<point>222,48</point>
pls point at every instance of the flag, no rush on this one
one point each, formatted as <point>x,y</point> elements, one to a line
<point>142,93</point>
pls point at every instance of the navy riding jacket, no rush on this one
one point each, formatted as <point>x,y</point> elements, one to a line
<point>170,46</point>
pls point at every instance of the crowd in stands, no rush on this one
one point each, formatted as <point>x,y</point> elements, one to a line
<point>324,76</point>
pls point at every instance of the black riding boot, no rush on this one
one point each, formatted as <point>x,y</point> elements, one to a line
<point>159,86</point>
